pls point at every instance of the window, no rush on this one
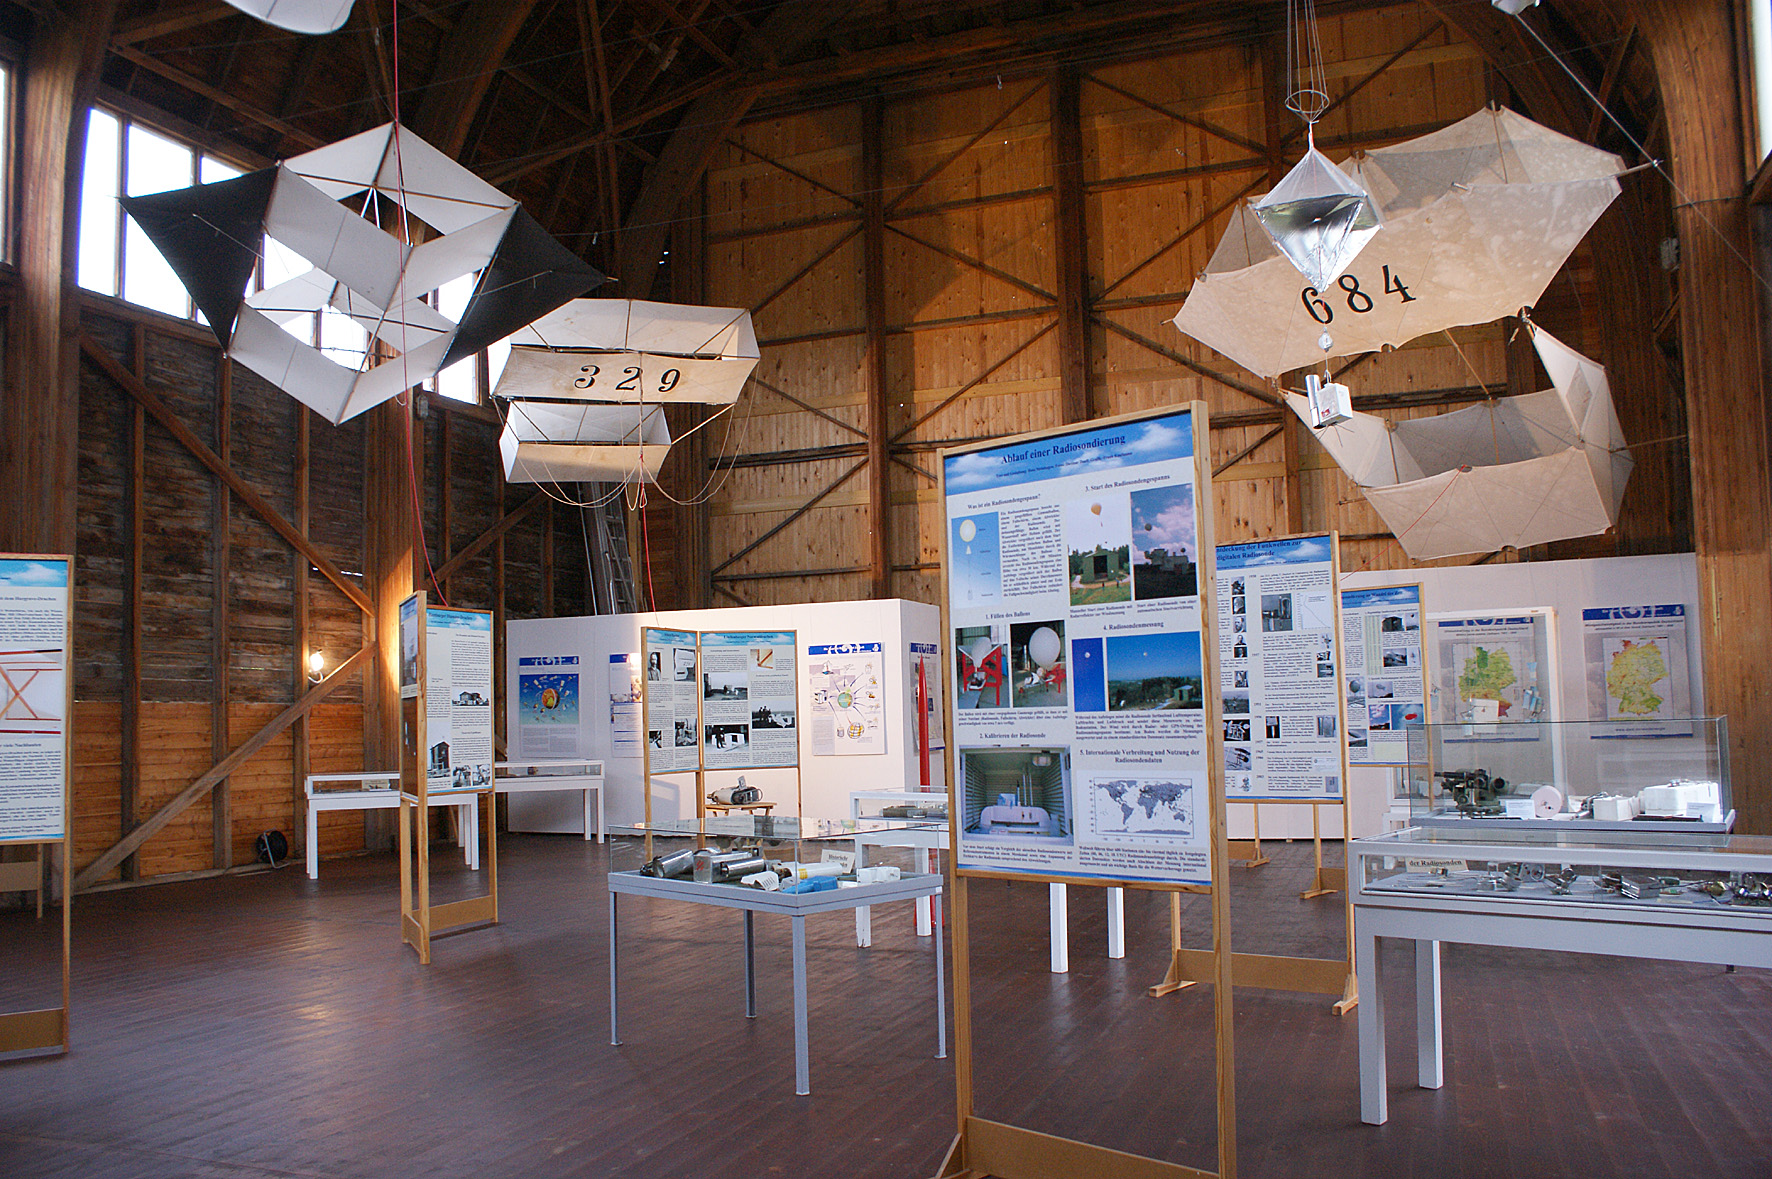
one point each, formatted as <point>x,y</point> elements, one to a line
<point>114,257</point>
<point>1760,35</point>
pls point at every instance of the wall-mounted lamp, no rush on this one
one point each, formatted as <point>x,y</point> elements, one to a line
<point>316,667</point>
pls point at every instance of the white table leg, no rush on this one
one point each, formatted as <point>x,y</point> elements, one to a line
<point>1429,1059</point>
<point>864,914</point>
<point>1061,928</point>
<point>802,1051</point>
<point>1116,922</point>
<point>313,842</point>
<point>1369,972</point>
<point>924,927</point>
<point>587,824</point>
<point>941,986</point>
<point>614,1035</point>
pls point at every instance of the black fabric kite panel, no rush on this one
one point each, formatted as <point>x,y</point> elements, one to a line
<point>530,274</point>
<point>211,236</point>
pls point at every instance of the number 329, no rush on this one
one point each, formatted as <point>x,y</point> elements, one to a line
<point>631,378</point>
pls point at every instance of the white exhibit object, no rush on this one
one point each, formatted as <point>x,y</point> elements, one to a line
<point>1330,403</point>
<point>1512,472</point>
<point>550,442</point>
<point>1513,7</point>
<point>1547,802</point>
<point>1616,808</point>
<point>1478,218</point>
<point>1519,808</point>
<point>630,350</point>
<point>324,206</point>
<point>1319,217</point>
<point>1044,647</point>
<point>299,16</point>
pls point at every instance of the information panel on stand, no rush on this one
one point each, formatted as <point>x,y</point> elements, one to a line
<point>34,606</point>
<point>748,700</point>
<point>1385,680</point>
<point>458,699</point>
<point>672,685</point>
<point>1278,670</point>
<point>1074,597</point>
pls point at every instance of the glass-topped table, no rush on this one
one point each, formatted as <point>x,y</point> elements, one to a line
<point>1697,897</point>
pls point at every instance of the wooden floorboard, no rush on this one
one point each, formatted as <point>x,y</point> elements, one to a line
<point>271,1026</point>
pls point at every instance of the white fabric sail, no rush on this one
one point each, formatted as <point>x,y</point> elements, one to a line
<point>1478,218</point>
<point>546,442</point>
<point>632,350</point>
<point>299,16</point>
<point>1515,471</point>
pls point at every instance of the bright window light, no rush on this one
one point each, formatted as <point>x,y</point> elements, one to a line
<point>154,164</point>
<point>342,340</point>
<point>98,204</point>
<point>1760,33</point>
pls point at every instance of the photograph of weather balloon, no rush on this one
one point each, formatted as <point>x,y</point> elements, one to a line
<point>975,568</point>
<point>1098,533</point>
<point>1037,656</point>
<point>1164,543</point>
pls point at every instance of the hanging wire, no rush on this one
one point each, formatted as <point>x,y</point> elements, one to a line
<point>1309,96</point>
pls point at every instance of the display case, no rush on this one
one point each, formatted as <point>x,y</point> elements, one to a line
<point>1613,775</point>
<point>1697,877</point>
<point>742,850</point>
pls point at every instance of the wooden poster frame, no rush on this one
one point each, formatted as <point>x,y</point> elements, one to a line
<point>45,1030</point>
<point>987,1148</point>
<point>420,920</point>
<point>1278,972</point>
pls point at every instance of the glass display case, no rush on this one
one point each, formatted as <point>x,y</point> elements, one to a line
<point>1613,775</point>
<point>771,853</point>
<point>1699,876</point>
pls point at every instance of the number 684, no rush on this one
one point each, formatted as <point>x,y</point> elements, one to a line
<point>1358,301</point>
<point>631,379</point>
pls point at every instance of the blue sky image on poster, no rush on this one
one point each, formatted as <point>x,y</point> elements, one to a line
<point>1129,444</point>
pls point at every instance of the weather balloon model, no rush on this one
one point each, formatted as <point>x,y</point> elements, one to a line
<point>327,206</point>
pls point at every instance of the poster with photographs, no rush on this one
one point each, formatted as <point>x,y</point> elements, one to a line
<point>1637,670</point>
<point>673,690</point>
<point>1279,673</point>
<point>34,618</point>
<point>845,689</point>
<point>458,700</point>
<point>748,707</point>
<point>1079,707</point>
<point>1385,678</point>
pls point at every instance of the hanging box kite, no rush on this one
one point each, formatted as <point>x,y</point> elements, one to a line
<point>1478,218</point>
<point>546,442</point>
<point>299,16</point>
<point>630,350</point>
<point>211,236</point>
<point>1515,471</point>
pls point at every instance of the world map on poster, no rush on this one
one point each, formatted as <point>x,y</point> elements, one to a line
<point>1134,806</point>
<point>1631,676</point>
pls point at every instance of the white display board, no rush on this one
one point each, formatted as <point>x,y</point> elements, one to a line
<point>458,699</point>
<point>1637,670</point>
<point>34,698</point>
<point>548,693</point>
<point>749,701</point>
<point>1080,708</point>
<point>537,646</point>
<point>1279,670</point>
<point>847,705</point>
<point>1384,672</point>
<point>673,725</point>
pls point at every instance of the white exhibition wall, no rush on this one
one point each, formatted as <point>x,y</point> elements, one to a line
<point>825,781</point>
<point>1568,587</point>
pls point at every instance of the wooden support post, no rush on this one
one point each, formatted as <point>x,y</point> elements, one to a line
<point>390,556</point>
<point>300,762</point>
<point>1071,234</point>
<point>130,773</point>
<point>221,557</point>
<point>879,460</point>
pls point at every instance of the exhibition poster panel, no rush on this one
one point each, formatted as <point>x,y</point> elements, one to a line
<point>1386,680</point>
<point>34,606</point>
<point>1637,670</point>
<point>926,657</point>
<point>671,687</point>
<point>1493,672</point>
<point>748,690</point>
<point>625,694</point>
<point>1079,698</point>
<point>458,699</point>
<point>548,700</point>
<point>845,685</point>
<point>1277,669</point>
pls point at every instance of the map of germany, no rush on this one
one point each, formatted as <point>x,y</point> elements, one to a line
<point>1487,676</point>
<point>1632,675</point>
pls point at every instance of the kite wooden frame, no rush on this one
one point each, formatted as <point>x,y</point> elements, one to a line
<point>45,1030</point>
<point>1310,976</point>
<point>986,1148</point>
<point>420,921</point>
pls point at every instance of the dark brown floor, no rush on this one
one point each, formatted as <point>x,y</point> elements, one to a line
<point>268,1025</point>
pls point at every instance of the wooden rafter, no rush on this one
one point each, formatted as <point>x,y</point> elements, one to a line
<point>1189,362</point>
<point>947,161</point>
<point>480,543</point>
<point>1373,76</point>
<point>1210,128</point>
<point>220,97</point>
<point>845,477</point>
<point>1200,223</point>
<point>975,381</point>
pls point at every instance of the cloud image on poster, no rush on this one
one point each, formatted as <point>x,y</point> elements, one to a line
<point>1164,543</point>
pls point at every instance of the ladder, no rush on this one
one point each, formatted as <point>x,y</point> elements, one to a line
<point>612,570</point>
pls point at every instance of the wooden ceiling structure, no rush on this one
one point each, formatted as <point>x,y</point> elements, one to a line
<point>603,117</point>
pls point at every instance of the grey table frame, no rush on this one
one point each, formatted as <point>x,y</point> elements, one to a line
<point>1742,938</point>
<point>796,906</point>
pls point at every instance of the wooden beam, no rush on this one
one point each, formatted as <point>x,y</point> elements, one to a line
<point>300,763</point>
<point>180,802</point>
<point>496,533</point>
<point>130,772</point>
<point>465,65</point>
<point>260,506</point>
<point>171,19</point>
<point>873,116</point>
<point>1070,231</point>
<point>215,94</point>
<point>221,558</point>
<point>1189,362</point>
